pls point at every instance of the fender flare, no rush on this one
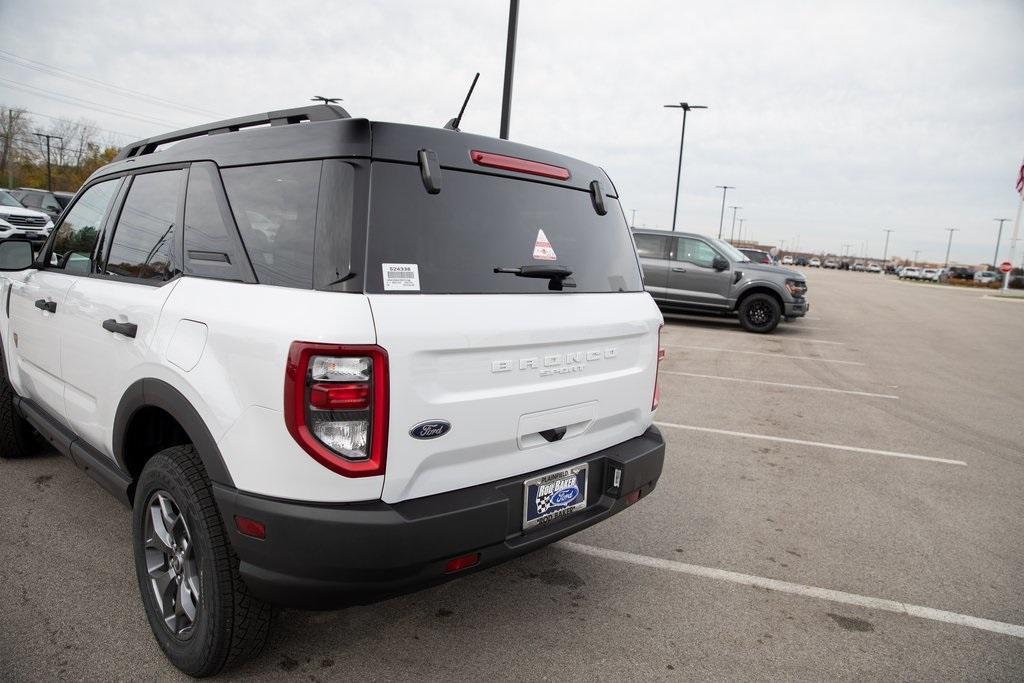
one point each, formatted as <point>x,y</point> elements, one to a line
<point>156,393</point>
<point>759,284</point>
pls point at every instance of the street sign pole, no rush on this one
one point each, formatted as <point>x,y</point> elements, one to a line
<point>1013,244</point>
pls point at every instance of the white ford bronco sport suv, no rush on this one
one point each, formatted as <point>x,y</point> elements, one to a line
<point>326,360</point>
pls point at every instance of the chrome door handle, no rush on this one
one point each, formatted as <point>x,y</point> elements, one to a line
<point>679,270</point>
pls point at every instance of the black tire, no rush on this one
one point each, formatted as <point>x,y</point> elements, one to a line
<point>760,313</point>
<point>228,625</point>
<point>17,437</point>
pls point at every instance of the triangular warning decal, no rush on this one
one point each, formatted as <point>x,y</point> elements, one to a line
<point>542,250</point>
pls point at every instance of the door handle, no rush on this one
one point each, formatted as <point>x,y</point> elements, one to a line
<point>127,329</point>
<point>679,270</point>
<point>44,305</point>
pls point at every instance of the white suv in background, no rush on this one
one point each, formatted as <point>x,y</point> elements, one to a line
<point>17,221</point>
<point>312,395</point>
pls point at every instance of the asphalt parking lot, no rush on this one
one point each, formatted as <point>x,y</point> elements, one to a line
<point>841,499</point>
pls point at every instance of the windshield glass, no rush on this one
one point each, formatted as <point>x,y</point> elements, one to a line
<point>732,252</point>
<point>8,200</point>
<point>451,242</point>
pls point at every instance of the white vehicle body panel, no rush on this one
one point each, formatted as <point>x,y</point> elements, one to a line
<point>496,368</point>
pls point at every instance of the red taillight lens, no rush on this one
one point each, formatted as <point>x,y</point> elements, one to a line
<point>336,405</point>
<point>463,562</point>
<point>507,163</point>
<point>661,357</point>
<point>350,396</point>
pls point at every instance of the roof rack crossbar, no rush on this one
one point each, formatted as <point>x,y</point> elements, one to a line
<point>283,117</point>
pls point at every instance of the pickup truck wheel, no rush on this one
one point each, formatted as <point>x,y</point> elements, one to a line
<point>199,610</point>
<point>17,437</point>
<point>760,313</point>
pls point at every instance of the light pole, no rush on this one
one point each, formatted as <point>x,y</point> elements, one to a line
<point>686,107</point>
<point>721,216</point>
<point>741,228</point>
<point>510,62</point>
<point>949,245</point>
<point>49,172</point>
<point>732,232</point>
<point>885,252</point>
<point>999,238</point>
<point>916,252</point>
<point>632,223</point>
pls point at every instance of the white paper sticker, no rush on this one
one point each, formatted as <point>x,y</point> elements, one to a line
<point>401,277</point>
<point>542,250</point>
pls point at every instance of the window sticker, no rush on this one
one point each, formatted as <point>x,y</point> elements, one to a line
<point>401,277</point>
<point>542,250</point>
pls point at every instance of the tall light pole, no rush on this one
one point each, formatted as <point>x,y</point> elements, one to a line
<point>949,245</point>
<point>885,252</point>
<point>732,232</point>
<point>686,107</point>
<point>721,216</point>
<point>999,238</point>
<point>632,223</point>
<point>916,252</point>
<point>741,228</point>
<point>510,62</point>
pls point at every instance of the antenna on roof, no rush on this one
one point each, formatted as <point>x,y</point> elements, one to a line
<point>324,100</point>
<point>454,123</point>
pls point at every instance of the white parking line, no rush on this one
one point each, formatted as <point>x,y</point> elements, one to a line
<point>1003,298</point>
<point>762,353</point>
<point>781,384</point>
<point>799,589</point>
<point>808,341</point>
<point>818,444</point>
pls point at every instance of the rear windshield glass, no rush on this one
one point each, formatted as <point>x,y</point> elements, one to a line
<point>451,242</point>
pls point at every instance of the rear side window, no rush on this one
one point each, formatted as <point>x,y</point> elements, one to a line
<point>275,208</point>
<point>76,237</point>
<point>209,248</point>
<point>650,246</point>
<point>451,242</point>
<point>143,245</point>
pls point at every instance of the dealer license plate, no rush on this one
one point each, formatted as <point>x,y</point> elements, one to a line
<point>554,496</point>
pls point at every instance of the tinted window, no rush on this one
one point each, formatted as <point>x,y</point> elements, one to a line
<point>650,246</point>
<point>32,200</point>
<point>143,245</point>
<point>480,222</point>
<point>209,249</point>
<point>76,237</point>
<point>695,251</point>
<point>275,209</point>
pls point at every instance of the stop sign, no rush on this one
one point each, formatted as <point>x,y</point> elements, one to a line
<point>1005,267</point>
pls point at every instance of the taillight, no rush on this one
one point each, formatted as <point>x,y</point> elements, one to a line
<point>520,165</point>
<point>336,405</point>
<point>657,369</point>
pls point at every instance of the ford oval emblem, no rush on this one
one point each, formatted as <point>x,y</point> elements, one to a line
<point>564,496</point>
<point>430,429</point>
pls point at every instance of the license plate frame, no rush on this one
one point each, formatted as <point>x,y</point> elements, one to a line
<point>554,488</point>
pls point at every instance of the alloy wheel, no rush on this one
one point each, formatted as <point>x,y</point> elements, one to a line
<point>171,564</point>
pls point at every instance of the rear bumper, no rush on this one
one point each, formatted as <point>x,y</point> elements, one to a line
<point>326,556</point>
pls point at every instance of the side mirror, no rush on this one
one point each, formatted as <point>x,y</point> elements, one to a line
<point>15,255</point>
<point>720,263</point>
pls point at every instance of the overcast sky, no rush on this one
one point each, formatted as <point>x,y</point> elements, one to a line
<point>833,120</point>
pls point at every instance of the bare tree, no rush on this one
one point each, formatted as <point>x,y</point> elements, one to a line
<point>14,124</point>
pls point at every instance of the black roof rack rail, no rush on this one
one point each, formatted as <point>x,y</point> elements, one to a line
<point>283,117</point>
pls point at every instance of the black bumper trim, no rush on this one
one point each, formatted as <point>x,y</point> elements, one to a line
<point>326,556</point>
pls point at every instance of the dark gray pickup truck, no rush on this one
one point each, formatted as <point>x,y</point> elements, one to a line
<point>690,273</point>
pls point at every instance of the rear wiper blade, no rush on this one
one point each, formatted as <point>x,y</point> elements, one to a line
<point>557,276</point>
<point>545,272</point>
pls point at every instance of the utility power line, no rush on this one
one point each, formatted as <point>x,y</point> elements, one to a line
<point>96,83</point>
<point>87,104</point>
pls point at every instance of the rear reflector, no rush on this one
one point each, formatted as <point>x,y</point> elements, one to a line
<point>633,496</point>
<point>250,527</point>
<point>462,562</point>
<point>520,165</point>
